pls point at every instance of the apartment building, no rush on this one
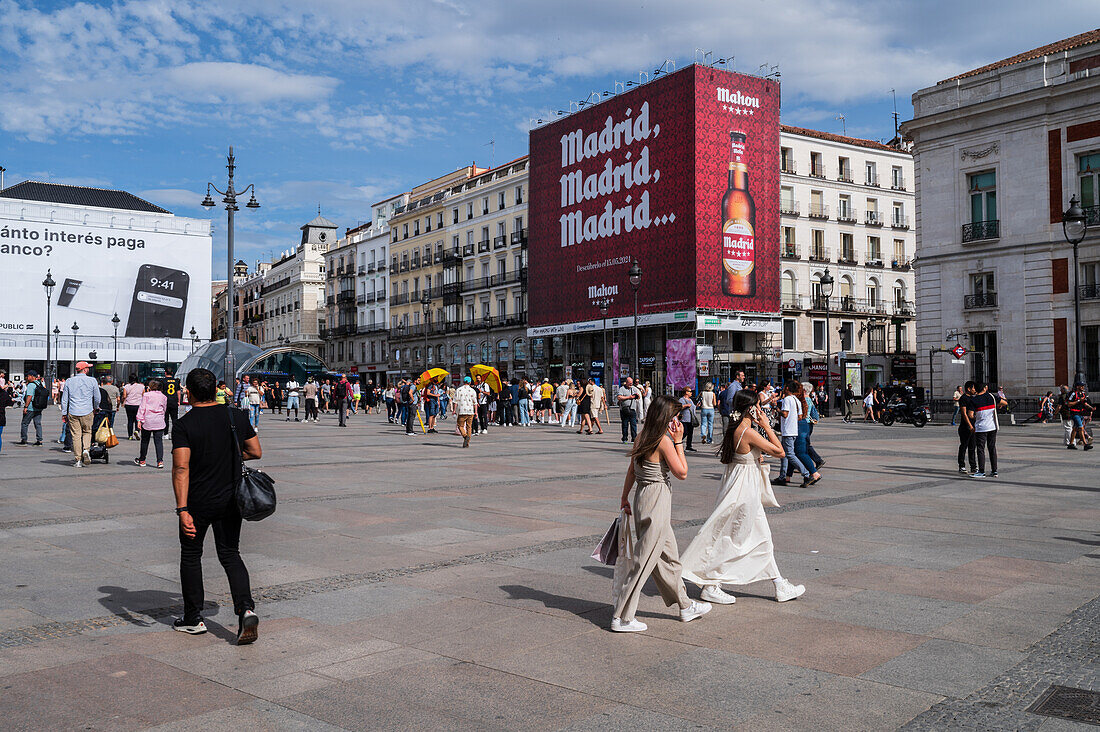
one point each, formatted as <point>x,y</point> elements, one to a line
<point>294,291</point>
<point>846,208</point>
<point>1000,150</point>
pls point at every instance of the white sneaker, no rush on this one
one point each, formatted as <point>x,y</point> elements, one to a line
<point>784,590</point>
<point>86,457</point>
<point>694,610</point>
<point>634,626</point>
<point>715,594</point>
<point>78,464</point>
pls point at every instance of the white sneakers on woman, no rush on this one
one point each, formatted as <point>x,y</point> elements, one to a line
<point>694,610</point>
<point>784,590</point>
<point>715,594</point>
<point>634,626</point>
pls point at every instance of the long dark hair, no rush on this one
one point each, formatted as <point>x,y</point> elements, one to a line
<point>661,411</point>
<point>743,401</point>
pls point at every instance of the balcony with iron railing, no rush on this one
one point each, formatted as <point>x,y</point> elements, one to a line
<point>483,246</point>
<point>402,299</point>
<point>361,300</point>
<point>393,268</point>
<point>331,300</point>
<point>519,237</point>
<point>451,257</point>
<point>1092,215</point>
<point>904,308</point>
<point>788,208</point>
<point>819,253</point>
<point>845,176</point>
<point>371,268</point>
<point>500,242</point>
<point>404,265</point>
<point>346,296</point>
<point>847,256</point>
<point>818,211</point>
<point>414,263</point>
<point>381,265</point>
<point>789,250</point>
<point>898,183</point>
<point>981,231</point>
<point>902,265</point>
<point>872,218</point>
<point>362,269</point>
<point>792,302</point>
<point>817,170</point>
<point>1089,292</point>
<point>980,300</point>
<point>874,259</point>
<point>899,221</point>
<point>788,166</point>
<point>467,249</point>
<point>846,215</point>
<point>871,179</point>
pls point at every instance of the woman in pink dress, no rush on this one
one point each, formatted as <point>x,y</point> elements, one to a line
<point>150,419</point>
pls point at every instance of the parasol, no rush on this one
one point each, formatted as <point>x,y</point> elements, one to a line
<point>431,375</point>
<point>492,376</point>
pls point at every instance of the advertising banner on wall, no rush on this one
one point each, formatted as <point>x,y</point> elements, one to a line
<point>155,276</point>
<point>680,362</point>
<point>680,175</point>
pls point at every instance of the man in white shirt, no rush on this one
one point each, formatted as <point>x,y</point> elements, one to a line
<point>465,405</point>
<point>790,410</point>
<point>292,388</point>
<point>630,403</point>
<point>484,391</point>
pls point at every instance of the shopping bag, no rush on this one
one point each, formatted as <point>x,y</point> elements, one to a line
<point>625,559</point>
<point>607,550</point>
<point>112,440</point>
<point>103,433</point>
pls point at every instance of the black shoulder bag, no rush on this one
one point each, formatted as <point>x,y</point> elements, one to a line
<point>254,489</point>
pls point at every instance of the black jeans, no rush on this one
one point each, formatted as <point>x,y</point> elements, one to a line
<point>171,416</point>
<point>227,539</point>
<point>689,432</point>
<point>629,419</point>
<point>410,418</point>
<point>967,447</point>
<point>158,443</point>
<point>483,417</point>
<point>131,419</point>
<point>311,408</point>
<point>342,408</point>
<point>987,440</point>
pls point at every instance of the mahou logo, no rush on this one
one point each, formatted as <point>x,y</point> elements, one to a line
<point>596,291</point>
<point>731,96</point>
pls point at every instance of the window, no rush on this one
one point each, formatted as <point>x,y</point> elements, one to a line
<point>517,224</point>
<point>427,282</point>
<point>469,211</point>
<point>872,291</point>
<point>874,249</point>
<point>394,237</point>
<point>817,166</point>
<point>439,220</point>
<point>983,361</point>
<point>502,308</point>
<point>501,227</point>
<point>404,231</point>
<point>847,247</point>
<point>454,243</point>
<point>899,214</point>
<point>519,195</point>
<point>484,233</point>
<point>454,215</point>
<point>899,251</point>
<point>521,349</point>
<point>817,205</point>
<point>517,305</point>
<point>876,339</point>
<point>786,160</point>
<point>982,283</point>
<point>470,312</point>
<point>786,200</point>
<point>500,200</point>
<point>818,252</point>
<point>871,173</point>
<point>819,335</point>
<point>1092,356</point>
<point>845,167</point>
<point>847,329</point>
<point>484,205</point>
<point>844,208</point>
<point>901,339</point>
<point>789,328</point>
<point>983,196</point>
<point>502,267</point>
<point>790,247</point>
<point>484,269</point>
<point>1088,172</point>
<point>897,182</point>
<point>788,289</point>
<point>1090,274</point>
<point>470,238</point>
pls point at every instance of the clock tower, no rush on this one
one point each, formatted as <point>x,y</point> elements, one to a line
<point>318,235</point>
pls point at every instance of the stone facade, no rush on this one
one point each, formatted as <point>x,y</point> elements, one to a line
<point>294,291</point>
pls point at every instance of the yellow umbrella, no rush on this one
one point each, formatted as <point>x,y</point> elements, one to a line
<point>431,375</point>
<point>492,376</point>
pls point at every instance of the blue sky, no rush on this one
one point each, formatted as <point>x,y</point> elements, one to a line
<point>344,102</point>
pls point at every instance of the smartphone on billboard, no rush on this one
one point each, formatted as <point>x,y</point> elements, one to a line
<point>159,304</point>
<point>90,298</point>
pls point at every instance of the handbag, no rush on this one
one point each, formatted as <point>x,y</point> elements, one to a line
<point>254,489</point>
<point>112,440</point>
<point>625,560</point>
<point>607,549</point>
<point>103,433</point>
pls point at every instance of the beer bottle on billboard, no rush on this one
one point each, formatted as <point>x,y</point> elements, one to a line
<point>738,226</point>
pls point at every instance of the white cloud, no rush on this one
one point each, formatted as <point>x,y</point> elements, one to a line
<point>213,82</point>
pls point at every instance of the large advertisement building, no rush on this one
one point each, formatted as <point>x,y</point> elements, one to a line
<point>111,255</point>
<point>680,175</point>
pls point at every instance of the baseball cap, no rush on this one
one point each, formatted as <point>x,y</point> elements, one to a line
<point>32,372</point>
<point>83,365</point>
<point>466,379</point>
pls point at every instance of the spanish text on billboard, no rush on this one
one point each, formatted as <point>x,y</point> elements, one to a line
<point>680,175</point>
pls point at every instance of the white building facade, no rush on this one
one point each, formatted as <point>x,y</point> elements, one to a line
<point>294,291</point>
<point>846,208</point>
<point>999,152</point>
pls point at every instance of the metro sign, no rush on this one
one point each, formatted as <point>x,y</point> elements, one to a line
<point>958,351</point>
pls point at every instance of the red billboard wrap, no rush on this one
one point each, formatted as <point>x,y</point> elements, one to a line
<point>644,176</point>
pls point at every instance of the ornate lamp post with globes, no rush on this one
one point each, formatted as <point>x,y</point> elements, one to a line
<point>1074,227</point>
<point>604,305</point>
<point>826,293</point>
<point>635,275</point>
<point>230,200</point>
<point>74,329</point>
<point>48,284</point>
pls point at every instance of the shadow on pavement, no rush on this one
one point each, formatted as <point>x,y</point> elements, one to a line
<point>576,606</point>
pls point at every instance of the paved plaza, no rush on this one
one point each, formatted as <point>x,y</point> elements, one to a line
<point>405,583</point>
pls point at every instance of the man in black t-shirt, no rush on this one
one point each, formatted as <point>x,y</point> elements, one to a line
<point>968,446</point>
<point>205,468</point>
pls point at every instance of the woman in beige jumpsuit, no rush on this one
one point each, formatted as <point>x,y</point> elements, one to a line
<point>658,451</point>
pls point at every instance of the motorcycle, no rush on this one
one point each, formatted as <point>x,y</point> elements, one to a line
<point>899,411</point>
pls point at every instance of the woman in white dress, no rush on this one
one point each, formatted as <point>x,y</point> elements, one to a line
<point>734,546</point>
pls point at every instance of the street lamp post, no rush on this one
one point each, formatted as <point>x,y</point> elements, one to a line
<point>115,321</point>
<point>52,365</point>
<point>74,329</point>
<point>827,292</point>
<point>48,284</point>
<point>604,305</point>
<point>230,200</point>
<point>635,275</point>
<point>1074,227</point>
<point>489,338</point>
<point>194,339</point>
<point>165,349</point>
<point>426,303</point>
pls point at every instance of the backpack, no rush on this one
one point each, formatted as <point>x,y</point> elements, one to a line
<point>40,399</point>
